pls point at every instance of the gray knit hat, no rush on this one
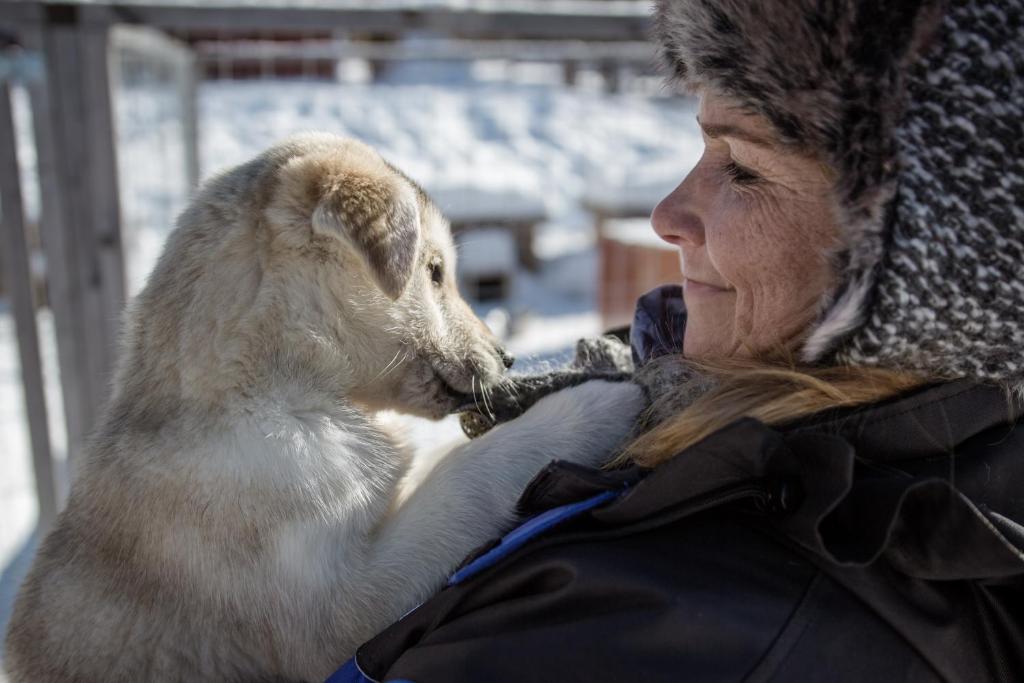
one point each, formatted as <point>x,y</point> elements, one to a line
<point>919,106</point>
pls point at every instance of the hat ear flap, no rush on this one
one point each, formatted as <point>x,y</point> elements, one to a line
<point>379,218</point>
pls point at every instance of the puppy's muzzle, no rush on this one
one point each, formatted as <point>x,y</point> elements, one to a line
<point>507,359</point>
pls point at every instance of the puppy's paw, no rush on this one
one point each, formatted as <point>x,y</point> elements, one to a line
<point>588,423</point>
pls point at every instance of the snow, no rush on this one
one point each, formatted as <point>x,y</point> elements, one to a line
<point>540,142</point>
<point>484,149</point>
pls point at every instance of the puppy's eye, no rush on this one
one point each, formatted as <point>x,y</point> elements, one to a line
<point>436,272</point>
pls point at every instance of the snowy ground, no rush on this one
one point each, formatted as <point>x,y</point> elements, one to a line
<point>546,145</point>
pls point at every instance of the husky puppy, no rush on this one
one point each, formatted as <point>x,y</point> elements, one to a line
<point>235,517</point>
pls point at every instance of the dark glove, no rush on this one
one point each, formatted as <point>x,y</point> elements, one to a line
<point>604,358</point>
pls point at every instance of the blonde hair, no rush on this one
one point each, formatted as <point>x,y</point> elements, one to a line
<point>772,393</point>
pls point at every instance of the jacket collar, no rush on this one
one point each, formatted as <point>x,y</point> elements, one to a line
<point>927,421</point>
<point>848,486</point>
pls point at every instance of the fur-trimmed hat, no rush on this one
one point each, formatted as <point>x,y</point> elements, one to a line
<point>919,107</point>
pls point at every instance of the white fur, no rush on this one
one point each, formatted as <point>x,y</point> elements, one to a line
<point>844,316</point>
<point>238,517</point>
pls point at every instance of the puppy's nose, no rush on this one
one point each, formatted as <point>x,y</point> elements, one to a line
<point>507,358</point>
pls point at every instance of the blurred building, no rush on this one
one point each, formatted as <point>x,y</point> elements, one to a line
<point>633,260</point>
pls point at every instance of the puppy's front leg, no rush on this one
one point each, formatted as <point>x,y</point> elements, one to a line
<point>470,496</point>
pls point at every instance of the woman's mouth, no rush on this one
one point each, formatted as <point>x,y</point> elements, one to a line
<point>700,288</point>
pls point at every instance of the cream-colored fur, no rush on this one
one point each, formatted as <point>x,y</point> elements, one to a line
<point>235,517</point>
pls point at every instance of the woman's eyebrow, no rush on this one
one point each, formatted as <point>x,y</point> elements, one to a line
<point>728,131</point>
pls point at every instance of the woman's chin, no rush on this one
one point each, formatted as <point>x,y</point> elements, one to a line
<point>696,347</point>
<point>705,337</point>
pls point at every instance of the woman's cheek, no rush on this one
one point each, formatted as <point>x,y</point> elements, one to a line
<point>755,253</point>
<point>736,244</point>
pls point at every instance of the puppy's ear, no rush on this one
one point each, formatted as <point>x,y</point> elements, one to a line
<point>378,215</point>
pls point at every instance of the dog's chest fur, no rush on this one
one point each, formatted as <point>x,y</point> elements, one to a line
<point>225,529</point>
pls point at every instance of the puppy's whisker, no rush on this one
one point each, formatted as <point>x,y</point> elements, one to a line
<point>487,406</point>
<point>387,367</point>
<point>472,387</point>
<point>511,387</point>
<point>405,359</point>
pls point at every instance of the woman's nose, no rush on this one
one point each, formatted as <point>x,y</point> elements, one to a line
<point>675,218</point>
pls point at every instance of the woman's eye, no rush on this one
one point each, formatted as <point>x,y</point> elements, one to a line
<point>436,273</point>
<point>740,175</point>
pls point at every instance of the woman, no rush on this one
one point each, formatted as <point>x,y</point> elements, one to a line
<point>831,486</point>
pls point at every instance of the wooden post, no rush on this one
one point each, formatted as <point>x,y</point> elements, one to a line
<point>103,198</point>
<point>570,72</point>
<point>612,77</point>
<point>80,218</point>
<point>18,284</point>
<point>148,42</point>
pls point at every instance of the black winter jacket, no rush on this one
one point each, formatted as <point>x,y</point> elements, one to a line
<point>879,544</point>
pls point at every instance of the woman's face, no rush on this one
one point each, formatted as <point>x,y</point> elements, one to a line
<point>754,223</point>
